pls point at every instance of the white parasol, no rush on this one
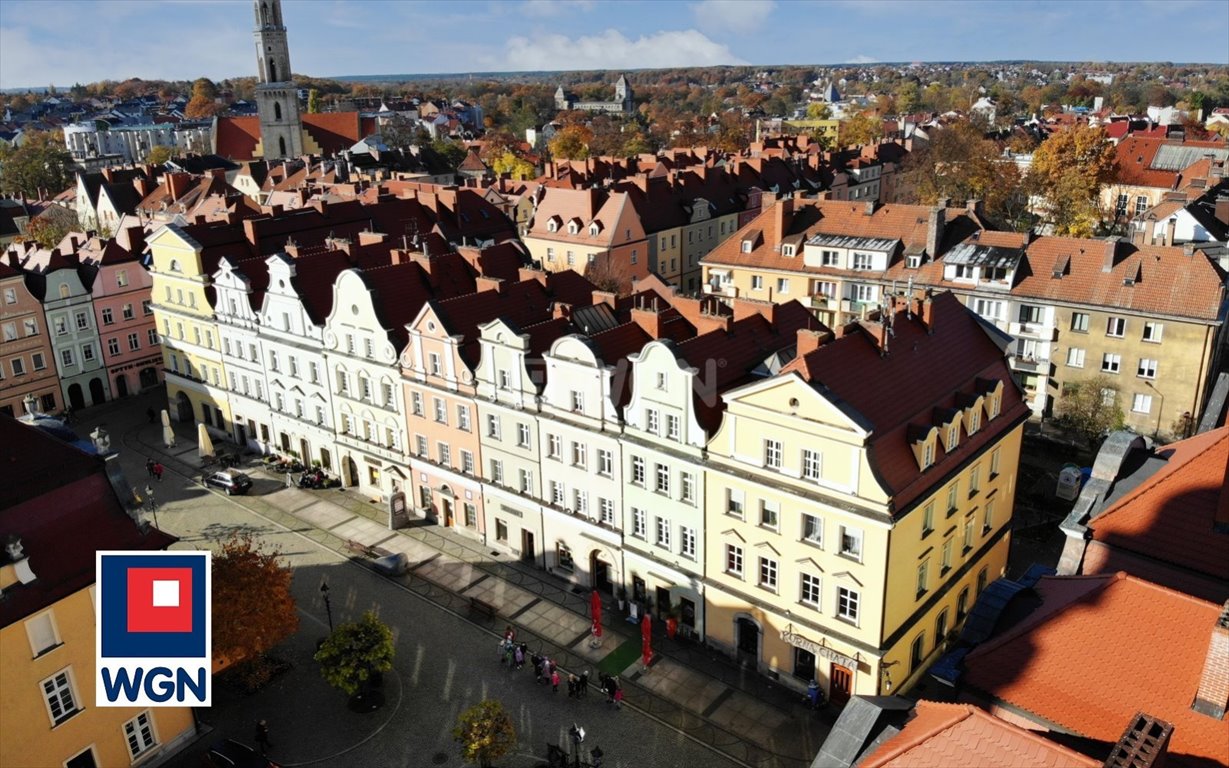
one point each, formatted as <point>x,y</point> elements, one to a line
<point>168,434</point>
<point>204,445</point>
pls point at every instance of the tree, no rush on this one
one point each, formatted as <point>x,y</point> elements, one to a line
<point>1090,408</point>
<point>354,652</point>
<point>861,129</point>
<point>48,231</point>
<point>571,143</point>
<point>158,155</point>
<point>607,274</point>
<point>1067,172</point>
<point>485,733</point>
<point>818,111</point>
<point>509,163</point>
<point>40,163</point>
<point>313,101</point>
<point>204,100</point>
<point>635,143</point>
<point>253,608</point>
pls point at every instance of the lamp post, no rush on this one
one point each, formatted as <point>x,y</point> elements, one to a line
<point>328,607</point>
<point>1160,408</point>
<point>153,505</point>
<point>887,676</point>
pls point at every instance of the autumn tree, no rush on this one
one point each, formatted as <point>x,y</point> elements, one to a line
<point>1067,172</point>
<point>515,167</point>
<point>158,155</point>
<point>818,111</point>
<point>610,274</point>
<point>860,129</point>
<point>485,733</point>
<point>40,163</point>
<point>48,231</point>
<point>635,143</point>
<point>1090,408</point>
<point>203,102</point>
<point>253,608</point>
<point>571,143</point>
<point>355,652</point>
<point>313,101</point>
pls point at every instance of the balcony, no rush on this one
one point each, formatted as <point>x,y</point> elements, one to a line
<point>857,308</point>
<point>820,301</point>
<point>720,289</point>
<point>1031,363</point>
<point>1039,331</point>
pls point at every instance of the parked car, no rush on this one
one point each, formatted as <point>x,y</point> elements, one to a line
<point>229,753</point>
<point>231,482</point>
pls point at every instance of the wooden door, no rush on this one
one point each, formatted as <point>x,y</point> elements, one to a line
<point>842,684</point>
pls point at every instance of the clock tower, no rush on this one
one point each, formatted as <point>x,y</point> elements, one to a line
<point>277,100</point>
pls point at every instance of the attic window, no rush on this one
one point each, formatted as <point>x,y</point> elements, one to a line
<point>787,250</point>
<point>747,246</point>
<point>913,260</point>
<point>573,228</point>
<point>953,436</point>
<point>552,226</point>
<point>594,229</point>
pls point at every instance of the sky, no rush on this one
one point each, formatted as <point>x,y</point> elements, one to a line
<point>62,42</point>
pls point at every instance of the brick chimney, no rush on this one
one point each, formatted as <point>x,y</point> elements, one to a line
<point>809,340</point>
<point>529,273</point>
<point>871,205</point>
<point>783,215</point>
<point>1171,227</point>
<point>975,207</point>
<point>934,230</point>
<point>647,316</point>
<point>1144,744</point>
<point>178,184</point>
<point>1212,698</point>
<point>487,283</point>
<point>926,312</point>
<point>744,308</point>
<point>1111,252</point>
<point>608,298</point>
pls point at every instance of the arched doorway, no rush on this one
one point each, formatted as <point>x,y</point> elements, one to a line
<point>747,639</point>
<point>121,386</point>
<point>149,377</point>
<point>599,571</point>
<point>76,399</point>
<point>447,506</point>
<point>98,392</point>
<point>183,407</point>
<point>349,472</point>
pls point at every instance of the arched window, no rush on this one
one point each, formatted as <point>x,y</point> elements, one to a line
<point>277,110</point>
<point>281,143</point>
<point>264,13</point>
<point>272,72</point>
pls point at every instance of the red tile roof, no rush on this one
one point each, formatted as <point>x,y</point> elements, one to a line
<point>1134,156</point>
<point>1170,516</point>
<point>922,372</point>
<point>963,736</point>
<point>1088,662</point>
<point>333,131</point>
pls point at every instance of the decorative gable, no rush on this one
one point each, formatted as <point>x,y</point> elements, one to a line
<point>923,439</point>
<point>948,420</point>
<point>971,407</point>
<point>991,391</point>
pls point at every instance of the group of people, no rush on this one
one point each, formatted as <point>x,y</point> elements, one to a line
<point>545,670</point>
<point>154,468</point>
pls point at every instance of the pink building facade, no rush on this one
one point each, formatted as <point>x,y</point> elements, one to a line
<point>27,365</point>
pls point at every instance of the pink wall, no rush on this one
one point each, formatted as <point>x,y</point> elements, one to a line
<point>109,295</point>
<point>14,388</point>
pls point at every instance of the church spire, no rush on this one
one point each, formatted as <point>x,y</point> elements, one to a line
<point>277,100</point>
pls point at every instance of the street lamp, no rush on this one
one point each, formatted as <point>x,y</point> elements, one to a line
<point>328,607</point>
<point>153,505</point>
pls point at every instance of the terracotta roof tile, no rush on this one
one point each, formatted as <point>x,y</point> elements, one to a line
<point>963,736</point>
<point>1088,663</point>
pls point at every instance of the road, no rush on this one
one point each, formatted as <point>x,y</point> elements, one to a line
<point>444,663</point>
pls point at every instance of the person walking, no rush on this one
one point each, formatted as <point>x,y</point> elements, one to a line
<point>149,467</point>
<point>262,737</point>
<point>618,696</point>
<point>554,681</point>
<point>538,664</point>
<point>571,686</point>
<point>609,685</point>
<point>518,656</point>
<point>150,415</point>
<point>582,685</point>
<point>158,469</point>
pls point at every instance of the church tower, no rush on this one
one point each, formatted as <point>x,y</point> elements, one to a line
<point>277,100</point>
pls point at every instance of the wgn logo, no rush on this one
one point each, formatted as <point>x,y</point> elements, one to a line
<point>154,630</point>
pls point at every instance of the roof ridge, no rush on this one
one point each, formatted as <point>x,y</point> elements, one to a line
<point>1041,616</point>
<point>1155,482</point>
<point>960,712</point>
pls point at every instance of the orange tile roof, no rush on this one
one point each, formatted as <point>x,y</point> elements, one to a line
<point>1088,663</point>
<point>1170,516</point>
<point>333,131</point>
<point>1134,156</point>
<point>963,736</point>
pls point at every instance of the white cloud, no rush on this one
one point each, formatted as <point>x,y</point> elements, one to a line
<point>732,15</point>
<point>552,8</point>
<point>610,50</point>
<point>862,58</point>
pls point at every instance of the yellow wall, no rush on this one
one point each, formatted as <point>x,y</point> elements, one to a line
<point>672,252</point>
<point>27,736</point>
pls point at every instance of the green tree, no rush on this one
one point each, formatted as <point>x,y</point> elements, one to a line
<point>636,143</point>
<point>485,733</point>
<point>571,143</point>
<point>818,111</point>
<point>158,155</point>
<point>40,163</point>
<point>313,101</point>
<point>1090,408</point>
<point>507,162</point>
<point>355,651</point>
<point>860,129</point>
<point>253,608</point>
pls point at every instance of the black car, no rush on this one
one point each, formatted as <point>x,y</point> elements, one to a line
<point>229,753</point>
<point>231,482</point>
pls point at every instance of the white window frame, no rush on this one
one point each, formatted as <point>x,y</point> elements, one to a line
<point>140,740</point>
<point>768,573</point>
<point>848,535</point>
<point>63,692</point>
<point>848,604</point>
<point>734,560</point>
<point>810,590</point>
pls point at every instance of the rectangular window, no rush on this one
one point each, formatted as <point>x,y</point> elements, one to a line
<point>772,454</point>
<point>129,313</point>
<point>782,285</point>
<point>139,731</point>
<point>847,604</point>
<point>108,317</point>
<point>39,361</point>
<point>640,524</point>
<point>10,295</point>
<point>812,529</point>
<point>851,542</point>
<point>637,471</point>
<point>556,493</point>
<point>1116,327</point>
<point>809,592</point>
<point>768,573</point>
<point>734,502</point>
<point>945,561</point>
<point>928,518</point>
<point>923,577</point>
<point>113,346</point>
<point>30,327</point>
<point>580,455</point>
<point>433,364</point>
<point>988,516</point>
<point>554,445</point>
<point>1152,332</point>
<point>497,472</point>
<point>1075,357</point>
<point>687,490</point>
<point>153,336</point>
<point>147,307</point>
<point>580,502</point>
<point>445,454</point>
<point>83,321</point>
<point>1146,369</point>
<point>606,511</point>
<point>501,531</point>
<point>565,556</point>
<point>578,401</point>
<point>672,427</point>
<point>87,353</point>
<point>41,631</point>
<point>982,576</point>
<point>974,480</point>
<point>734,560</point>
<point>650,421</point>
<point>862,261</point>
<point>492,426</point>
<point>504,381</point>
<point>526,481</point>
<point>663,533</point>
<point>968,533</point>
<point>757,282</point>
<point>522,436</point>
<point>1079,322</point>
<point>440,410</point>
<point>294,365</point>
<point>61,326</point>
<point>60,696</point>
<point>769,513</point>
<point>661,478</point>
<point>1141,403</point>
<point>1111,363</point>
<point>687,542</point>
<point>605,462</point>
<point>463,418</point>
<point>811,466</point>
<point>66,357</point>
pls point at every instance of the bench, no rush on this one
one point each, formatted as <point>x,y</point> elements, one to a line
<point>478,605</point>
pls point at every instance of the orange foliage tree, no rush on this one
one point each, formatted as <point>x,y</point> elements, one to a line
<point>253,609</point>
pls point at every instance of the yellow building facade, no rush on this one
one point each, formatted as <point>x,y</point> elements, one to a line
<point>47,666</point>
<point>191,344</point>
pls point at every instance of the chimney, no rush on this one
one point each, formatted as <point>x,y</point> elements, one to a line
<point>744,308</point>
<point>783,215</point>
<point>934,230</point>
<point>647,317</point>
<point>529,273</point>
<point>1188,249</point>
<point>870,207</point>
<point>605,297</point>
<point>1171,227</point>
<point>975,207</point>
<point>1144,744</point>
<point>1111,252</point>
<point>1212,698</point>
<point>809,340</point>
<point>487,283</point>
<point>1221,209</point>
<point>178,184</point>
<point>926,312</point>
<point>368,237</point>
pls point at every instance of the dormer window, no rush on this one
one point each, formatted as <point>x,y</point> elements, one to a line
<point>747,246</point>
<point>928,454</point>
<point>787,251</point>
<point>953,437</point>
<point>923,439</point>
<point>594,229</point>
<point>573,228</point>
<point>913,260</point>
<point>552,225</point>
<point>974,420</point>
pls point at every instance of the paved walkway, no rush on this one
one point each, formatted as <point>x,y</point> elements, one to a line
<point>689,686</point>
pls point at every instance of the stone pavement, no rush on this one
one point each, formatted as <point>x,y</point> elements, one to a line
<point>689,687</point>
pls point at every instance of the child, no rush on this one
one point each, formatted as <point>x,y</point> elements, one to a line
<point>554,681</point>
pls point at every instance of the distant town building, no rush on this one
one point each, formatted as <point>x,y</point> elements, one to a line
<point>622,102</point>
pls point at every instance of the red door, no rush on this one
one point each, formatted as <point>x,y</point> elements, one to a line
<point>842,685</point>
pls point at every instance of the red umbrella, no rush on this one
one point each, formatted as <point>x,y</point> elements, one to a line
<point>646,639</point>
<point>595,608</point>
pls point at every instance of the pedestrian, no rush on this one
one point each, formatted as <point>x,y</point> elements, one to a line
<point>552,665</point>
<point>149,467</point>
<point>582,685</point>
<point>507,657</point>
<point>262,737</point>
<point>538,664</point>
<point>509,634</point>
<point>158,469</point>
<point>572,693</point>
<point>813,694</point>
<point>618,696</point>
<point>554,681</point>
<point>609,685</point>
<point>289,480</point>
<point>518,656</point>
<point>149,414</point>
